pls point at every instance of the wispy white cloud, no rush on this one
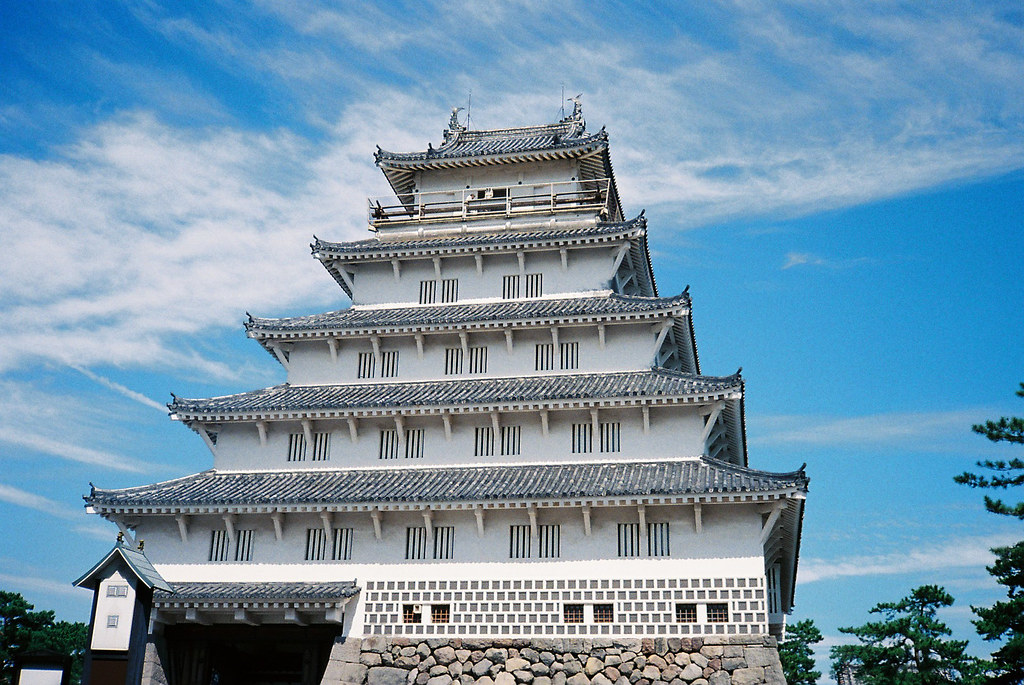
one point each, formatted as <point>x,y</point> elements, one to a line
<point>35,583</point>
<point>29,500</point>
<point>809,259</point>
<point>120,389</point>
<point>66,450</point>
<point>957,553</point>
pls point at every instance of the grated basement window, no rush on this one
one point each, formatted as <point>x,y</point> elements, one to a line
<point>440,613</point>
<point>509,287</point>
<point>718,613</point>
<point>686,613</point>
<point>412,613</point>
<point>219,545</point>
<point>389,364</point>
<point>629,540</point>
<point>483,441</point>
<point>296,447</point>
<point>519,542</point>
<point>568,355</point>
<point>544,357</point>
<point>510,440</point>
<point>534,285</point>
<point>243,549</point>
<point>428,292</point>
<point>367,364</point>
<point>604,613</point>
<point>572,613</point>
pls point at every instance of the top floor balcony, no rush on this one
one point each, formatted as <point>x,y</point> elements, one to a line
<point>589,196</point>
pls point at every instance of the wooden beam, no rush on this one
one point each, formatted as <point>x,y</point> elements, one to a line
<point>281,355</point>
<point>182,520</point>
<point>192,615</point>
<point>710,425</point>
<point>479,512</point>
<point>247,617</point>
<point>332,345</point>
<point>479,265</point>
<point>229,526</point>
<point>532,513</point>
<point>261,428</point>
<point>554,338</point>
<point>586,520</point>
<point>437,267</point>
<point>353,428</point>
<point>544,422</point>
<point>662,330</point>
<point>508,340</point>
<point>325,518</point>
<point>396,266</point>
<point>600,335</point>
<point>400,429</point>
<point>278,519</point>
<point>428,521</point>
<point>375,342</point>
<point>496,423</point>
<point>375,515</point>
<point>446,419</point>
<point>345,276</point>
<point>307,433</point>
<point>291,615</point>
<point>766,529</point>
<point>464,339</point>
<point>419,345</point>
<point>521,256</point>
<point>646,411</point>
<point>618,254</point>
<point>698,518</point>
<point>641,514</point>
<point>564,253</point>
<point>207,438</point>
<point>335,614</point>
<point>594,422</point>
<point>128,536</point>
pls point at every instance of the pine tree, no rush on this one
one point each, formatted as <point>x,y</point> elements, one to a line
<point>1006,474</point>
<point>796,653</point>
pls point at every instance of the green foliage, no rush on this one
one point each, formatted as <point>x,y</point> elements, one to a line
<point>797,655</point>
<point>24,630</point>
<point>1005,474</point>
<point>909,646</point>
<point>1005,620</point>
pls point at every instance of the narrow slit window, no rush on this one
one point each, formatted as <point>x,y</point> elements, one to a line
<point>388,444</point>
<point>657,540</point>
<point>450,290</point>
<point>444,542</point>
<point>296,447</point>
<point>509,287</point>
<point>483,442</point>
<point>478,360</point>
<point>342,549</point>
<point>367,365</point>
<point>549,541</point>
<point>510,440</point>
<point>610,437</point>
<point>582,438</point>
<point>243,549</point>
<point>428,292</point>
<point>219,545</point>
<point>452,361</point>
<point>544,357</point>
<point>389,364</point>
<point>414,443</point>
<point>534,285</point>
<point>321,446</point>
<point>416,542</point>
<point>519,542</point>
<point>569,355</point>
<point>629,539</point>
<point>316,544</point>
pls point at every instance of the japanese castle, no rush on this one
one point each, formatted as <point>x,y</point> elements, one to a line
<point>506,435</point>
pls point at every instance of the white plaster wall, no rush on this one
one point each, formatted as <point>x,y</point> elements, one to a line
<point>628,347</point>
<point>116,638</point>
<point>589,268</point>
<point>498,175</point>
<point>674,434</point>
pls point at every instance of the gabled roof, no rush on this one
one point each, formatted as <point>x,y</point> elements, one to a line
<point>367,320</point>
<point>288,401</point>
<point>212,488</point>
<point>250,592</point>
<point>134,559</point>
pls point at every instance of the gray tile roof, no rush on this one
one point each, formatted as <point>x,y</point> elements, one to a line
<point>460,314</point>
<point>563,136</point>
<point>248,592</point>
<point>657,382</point>
<point>450,484</point>
<point>323,249</point>
<point>135,559</point>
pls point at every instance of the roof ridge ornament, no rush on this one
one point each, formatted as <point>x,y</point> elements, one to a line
<point>577,111</point>
<point>454,127</point>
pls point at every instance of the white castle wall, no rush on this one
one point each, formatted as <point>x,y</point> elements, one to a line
<point>524,174</point>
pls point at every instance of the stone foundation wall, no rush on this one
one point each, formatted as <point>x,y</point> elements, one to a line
<point>722,660</point>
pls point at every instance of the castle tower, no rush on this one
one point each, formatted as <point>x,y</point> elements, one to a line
<point>506,436</point>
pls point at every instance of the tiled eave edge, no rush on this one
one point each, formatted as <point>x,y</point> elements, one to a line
<point>766,497</point>
<point>298,413</point>
<point>675,311</point>
<point>391,161</point>
<point>323,250</point>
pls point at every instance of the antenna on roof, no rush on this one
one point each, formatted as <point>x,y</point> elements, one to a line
<point>469,108</point>
<point>562,102</point>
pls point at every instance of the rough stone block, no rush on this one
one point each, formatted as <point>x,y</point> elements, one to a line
<point>530,654</point>
<point>385,675</point>
<point>625,668</point>
<point>496,655</point>
<point>720,678</point>
<point>466,679</point>
<point>484,680</point>
<point>551,644</point>
<point>748,676</point>
<point>455,669</point>
<point>600,679</point>
<point>504,679</point>
<point>691,672</point>
<point>674,644</point>
<point>440,680</point>
<point>573,667</point>
<point>420,678</point>
<point>612,660</point>
<point>462,655</point>
<point>611,673</point>
<point>408,650</point>
<point>481,667</point>
<point>711,651</point>
<point>407,661</point>
<point>640,661</point>
<point>428,663</point>
<point>435,642</point>
<point>623,680</point>
<point>516,664</point>
<point>559,678</point>
<point>627,643</point>
<point>700,681</point>
<point>523,676</point>
<point>732,650</point>
<point>476,655</point>
<point>542,680</point>
<point>423,650</point>
<point>682,659</point>
<point>540,668</point>
<point>656,661</point>
<point>346,672</point>
<point>593,666</point>
<point>759,656</point>
<point>732,663</point>
<point>700,660</point>
<point>547,658</point>
<point>444,654</point>
<point>651,673</point>
<point>671,672</point>
<point>370,659</point>
<point>436,670</point>
<point>578,679</point>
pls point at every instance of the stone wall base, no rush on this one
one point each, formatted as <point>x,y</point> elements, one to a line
<point>727,660</point>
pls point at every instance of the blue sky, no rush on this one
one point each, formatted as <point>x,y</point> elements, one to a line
<point>839,183</point>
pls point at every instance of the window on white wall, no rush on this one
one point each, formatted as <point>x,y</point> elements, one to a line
<point>569,355</point>
<point>582,438</point>
<point>510,440</point>
<point>388,444</point>
<point>534,285</point>
<point>452,361</point>
<point>483,441</point>
<point>610,436</point>
<point>444,542</point>
<point>414,443</point>
<point>519,541</point>
<point>117,591</point>
<point>686,613</point>
<point>296,447</point>
<point>718,613</point>
<point>544,357</point>
<point>321,446</point>
<point>367,363</point>
<point>416,542</point>
<point>478,360</point>
<point>342,544</point>
<point>450,290</point>
<point>243,549</point>
<point>657,540</point>
<point>440,613</point>
<point>389,364</point>
<point>428,292</point>
<point>316,544</point>
<point>112,621</point>
<point>629,539</point>
<point>549,541</point>
<point>219,542</point>
<point>572,613</point>
<point>509,287</point>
